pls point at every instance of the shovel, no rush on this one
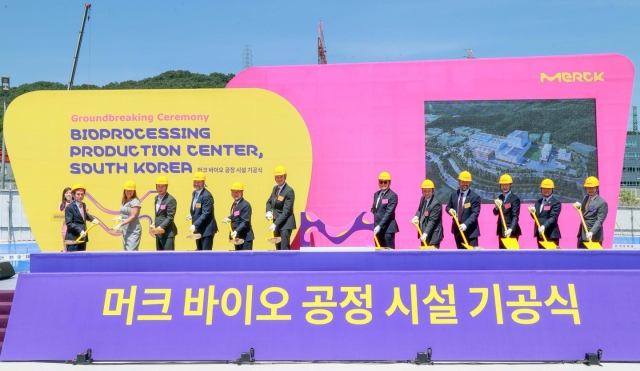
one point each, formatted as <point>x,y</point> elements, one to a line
<point>423,244</point>
<point>549,245</point>
<point>273,239</point>
<point>590,244</point>
<point>508,242</point>
<point>193,236</point>
<point>80,239</point>
<point>117,232</point>
<point>235,241</point>
<point>464,238</point>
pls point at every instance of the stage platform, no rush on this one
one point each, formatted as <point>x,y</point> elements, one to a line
<point>382,260</point>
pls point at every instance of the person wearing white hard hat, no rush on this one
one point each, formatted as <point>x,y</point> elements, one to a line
<point>547,210</point>
<point>240,218</point>
<point>280,209</point>
<point>429,216</point>
<point>384,206</point>
<point>202,213</point>
<point>464,204</point>
<point>509,202</point>
<point>594,210</point>
<point>165,206</point>
<point>75,217</point>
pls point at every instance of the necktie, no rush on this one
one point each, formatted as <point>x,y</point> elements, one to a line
<point>379,198</point>
<point>195,198</point>
<point>234,207</point>
<point>460,205</point>
<point>277,194</point>
<point>586,206</point>
<point>544,201</point>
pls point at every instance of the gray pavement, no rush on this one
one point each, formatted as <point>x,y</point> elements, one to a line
<point>9,283</point>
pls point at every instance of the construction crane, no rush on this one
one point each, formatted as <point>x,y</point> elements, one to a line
<point>322,51</point>
<point>87,8</point>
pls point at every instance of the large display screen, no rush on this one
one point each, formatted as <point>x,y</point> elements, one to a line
<point>529,139</point>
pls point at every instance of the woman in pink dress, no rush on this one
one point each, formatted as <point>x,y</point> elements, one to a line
<point>67,198</point>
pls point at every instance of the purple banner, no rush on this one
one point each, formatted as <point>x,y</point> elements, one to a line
<point>461,315</point>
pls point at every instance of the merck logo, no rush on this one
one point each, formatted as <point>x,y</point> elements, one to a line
<point>573,77</point>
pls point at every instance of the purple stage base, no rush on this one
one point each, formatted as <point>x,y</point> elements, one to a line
<point>465,305</point>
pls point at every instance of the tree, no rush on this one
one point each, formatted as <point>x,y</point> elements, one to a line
<point>627,198</point>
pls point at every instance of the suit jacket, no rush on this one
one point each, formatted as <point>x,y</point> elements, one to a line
<point>470,213</point>
<point>165,216</point>
<point>203,217</point>
<point>594,216</point>
<point>385,214</point>
<point>75,222</point>
<point>431,220</point>
<point>282,207</point>
<point>241,220</point>
<point>511,211</point>
<point>549,218</point>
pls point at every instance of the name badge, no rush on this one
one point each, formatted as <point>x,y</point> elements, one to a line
<point>385,201</point>
<point>163,207</point>
<point>546,208</point>
<point>591,208</point>
<point>280,198</point>
<point>426,213</point>
<point>198,205</point>
<point>507,206</point>
<point>236,213</point>
<point>467,205</point>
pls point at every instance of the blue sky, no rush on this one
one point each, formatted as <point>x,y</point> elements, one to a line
<point>131,40</point>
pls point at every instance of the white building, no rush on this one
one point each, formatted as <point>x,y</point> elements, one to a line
<point>545,155</point>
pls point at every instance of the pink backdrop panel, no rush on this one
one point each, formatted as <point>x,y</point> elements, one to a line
<point>368,118</point>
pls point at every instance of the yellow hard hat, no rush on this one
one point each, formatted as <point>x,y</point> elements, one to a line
<point>279,170</point>
<point>162,180</point>
<point>547,183</point>
<point>427,184</point>
<point>591,181</point>
<point>78,186</point>
<point>505,179</point>
<point>129,185</point>
<point>237,186</point>
<point>465,176</point>
<point>199,176</point>
<point>384,176</point>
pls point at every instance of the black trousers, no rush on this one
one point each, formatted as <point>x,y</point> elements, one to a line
<point>205,243</point>
<point>247,245</point>
<point>78,247</point>
<point>501,245</point>
<point>387,240</point>
<point>167,243</point>
<point>555,240</point>
<point>285,243</point>
<point>460,241</point>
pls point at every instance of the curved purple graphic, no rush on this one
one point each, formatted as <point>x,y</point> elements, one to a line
<point>117,212</point>
<point>311,223</point>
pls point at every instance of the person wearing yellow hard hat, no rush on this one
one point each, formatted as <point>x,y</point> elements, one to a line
<point>384,206</point>
<point>547,210</point>
<point>280,209</point>
<point>202,213</point>
<point>75,217</point>
<point>429,216</point>
<point>128,219</point>
<point>240,218</point>
<point>594,211</point>
<point>165,206</point>
<point>464,204</point>
<point>509,202</point>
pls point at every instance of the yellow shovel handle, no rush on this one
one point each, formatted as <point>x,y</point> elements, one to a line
<point>504,224</point>
<point>584,225</point>
<point>375,238</point>
<point>464,238</point>
<point>271,222</point>
<point>88,229</point>
<point>533,213</point>
<point>424,243</point>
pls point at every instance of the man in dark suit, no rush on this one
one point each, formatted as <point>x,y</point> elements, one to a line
<point>384,206</point>
<point>547,210</point>
<point>594,211</point>
<point>166,206</point>
<point>429,216</point>
<point>464,204</point>
<point>240,218</point>
<point>75,217</point>
<point>280,209</point>
<point>202,213</point>
<point>509,202</point>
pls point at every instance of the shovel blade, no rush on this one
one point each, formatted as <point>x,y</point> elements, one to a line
<point>72,242</point>
<point>593,245</point>
<point>510,243</point>
<point>274,239</point>
<point>549,245</point>
<point>237,241</point>
<point>422,247</point>
<point>195,236</point>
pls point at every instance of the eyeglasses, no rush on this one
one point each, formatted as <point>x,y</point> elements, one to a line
<point>79,194</point>
<point>383,181</point>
